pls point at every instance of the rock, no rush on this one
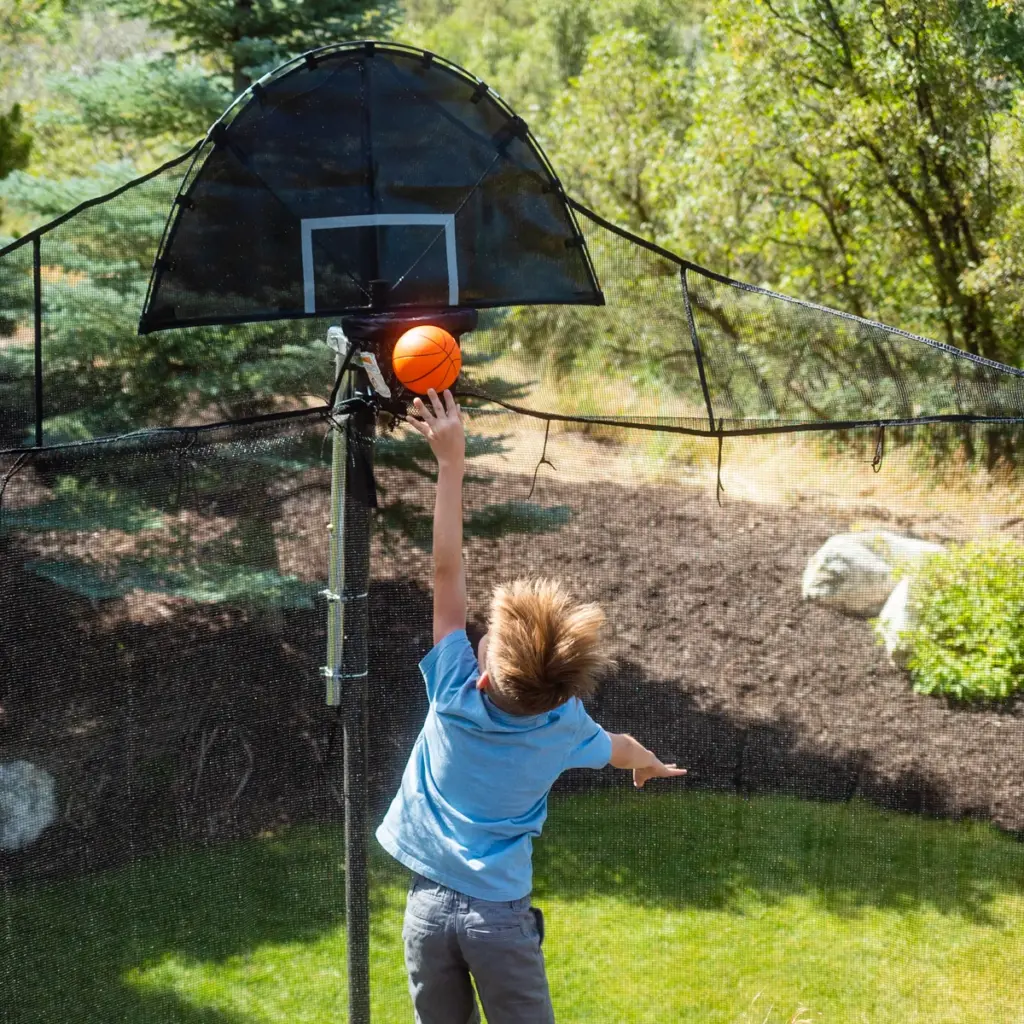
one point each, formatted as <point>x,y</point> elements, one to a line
<point>901,551</point>
<point>854,572</point>
<point>28,803</point>
<point>894,620</point>
<point>846,574</point>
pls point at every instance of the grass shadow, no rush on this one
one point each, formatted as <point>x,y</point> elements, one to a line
<point>718,851</point>
<point>73,947</point>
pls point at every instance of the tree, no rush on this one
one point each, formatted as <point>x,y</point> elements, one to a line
<point>529,50</point>
<point>855,150</point>
<point>49,50</point>
<point>246,37</point>
<point>616,134</point>
<point>15,142</point>
<point>143,107</point>
<point>861,155</point>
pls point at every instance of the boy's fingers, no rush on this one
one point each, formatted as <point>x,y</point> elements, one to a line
<point>436,403</point>
<point>421,408</point>
<point>454,409</point>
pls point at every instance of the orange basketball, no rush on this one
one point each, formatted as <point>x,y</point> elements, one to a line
<point>427,357</point>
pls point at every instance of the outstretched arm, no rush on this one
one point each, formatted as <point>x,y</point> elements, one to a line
<point>627,753</point>
<point>441,425</point>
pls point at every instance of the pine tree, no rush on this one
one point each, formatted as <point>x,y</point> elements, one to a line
<point>101,379</point>
<point>247,37</point>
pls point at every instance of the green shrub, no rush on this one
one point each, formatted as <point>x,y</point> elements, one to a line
<point>968,640</point>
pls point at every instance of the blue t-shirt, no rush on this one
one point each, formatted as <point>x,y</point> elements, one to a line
<point>475,790</point>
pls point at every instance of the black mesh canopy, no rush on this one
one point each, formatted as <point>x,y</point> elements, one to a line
<point>366,163</point>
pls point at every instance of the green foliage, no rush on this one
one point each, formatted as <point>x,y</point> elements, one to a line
<point>15,142</point>
<point>865,156</point>
<point>642,103</point>
<point>530,49</point>
<point>144,97</point>
<point>137,80</point>
<point>22,17</point>
<point>46,45</point>
<point>968,641</point>
<point>848,154</point>
<point>102,377</point>
<point>245,38</point>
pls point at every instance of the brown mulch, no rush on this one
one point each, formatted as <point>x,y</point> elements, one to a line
<point>166,722</point>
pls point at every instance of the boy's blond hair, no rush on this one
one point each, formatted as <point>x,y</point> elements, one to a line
<point>544,646</point>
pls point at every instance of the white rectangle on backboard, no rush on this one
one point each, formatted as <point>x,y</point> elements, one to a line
<point>369,220</point>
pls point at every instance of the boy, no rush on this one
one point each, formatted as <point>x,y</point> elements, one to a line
<point>502,726</point>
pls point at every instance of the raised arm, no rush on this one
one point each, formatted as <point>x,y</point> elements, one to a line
<point>441,425</point>
<point>628,754</point>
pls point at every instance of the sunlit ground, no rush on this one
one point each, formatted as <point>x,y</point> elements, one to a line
<point>660,908</point>
<point>922,472</point>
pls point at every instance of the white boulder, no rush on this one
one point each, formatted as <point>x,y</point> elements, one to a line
<point>894,620</point>
<point>856,572</point>
<point>28,803</point>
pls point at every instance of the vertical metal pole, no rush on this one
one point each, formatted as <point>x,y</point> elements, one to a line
<point>347,663</point>
<point>354,697</point>
<point>37,284</point>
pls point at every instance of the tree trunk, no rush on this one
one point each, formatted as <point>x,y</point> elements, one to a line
<point>240,81</point>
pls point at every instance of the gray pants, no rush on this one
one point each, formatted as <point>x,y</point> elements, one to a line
<point>449,936</point>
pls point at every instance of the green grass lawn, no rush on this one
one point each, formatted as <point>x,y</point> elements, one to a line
<point>661,907</point>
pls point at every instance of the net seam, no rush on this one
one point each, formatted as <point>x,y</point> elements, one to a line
<point>96,200</point>
<point>316,412</point>
<point>721,431</point>
<point>697,351</point>
<point>758,290</point>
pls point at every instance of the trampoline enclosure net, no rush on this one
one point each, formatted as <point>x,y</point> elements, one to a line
<point>175,773</point>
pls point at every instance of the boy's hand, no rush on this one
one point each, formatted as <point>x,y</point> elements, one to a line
<point>655,770</point>
<point>628,754</point>
<point>441,425</point>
